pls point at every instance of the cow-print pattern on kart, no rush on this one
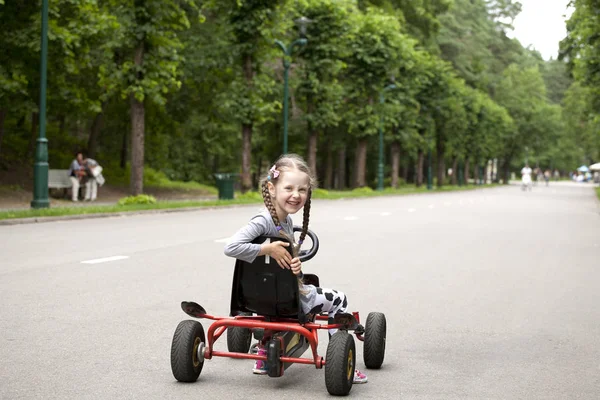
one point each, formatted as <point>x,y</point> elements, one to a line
<point>330,301</point>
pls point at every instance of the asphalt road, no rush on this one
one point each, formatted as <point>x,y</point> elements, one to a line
<point>488,294</point>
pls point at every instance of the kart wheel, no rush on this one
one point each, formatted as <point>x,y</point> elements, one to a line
<point>340,364</point>
<point>238,339</point>
<point>186,364</point>
<point>374,346</point>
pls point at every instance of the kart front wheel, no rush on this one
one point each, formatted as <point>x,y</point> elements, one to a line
<point>186,362</point>
<point>374,346</point>
<point>340,364</point>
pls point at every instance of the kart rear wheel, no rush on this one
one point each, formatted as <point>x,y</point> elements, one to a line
<point>374,346</point>
<point>239,339</point>
<point>340,364</point>
<point>186,364</point>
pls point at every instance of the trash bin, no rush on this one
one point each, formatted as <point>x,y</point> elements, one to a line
<point>225,184</point>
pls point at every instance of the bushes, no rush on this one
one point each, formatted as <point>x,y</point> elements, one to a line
<point>139,199</point>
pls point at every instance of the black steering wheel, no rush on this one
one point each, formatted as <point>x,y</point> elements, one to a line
<point>306,255</point>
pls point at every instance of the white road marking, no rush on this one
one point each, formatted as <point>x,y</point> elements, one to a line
<point>447,203</point>
<point>350,218</point>
<point>431,205</point>
<point>385,214</point>
<point>225,240</point>
<point>106,259</point>
<point>411,210</point>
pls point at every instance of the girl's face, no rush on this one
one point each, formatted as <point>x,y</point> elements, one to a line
<point>290,192</point>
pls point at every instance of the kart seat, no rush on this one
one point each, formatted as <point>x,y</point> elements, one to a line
<point>264,288</point>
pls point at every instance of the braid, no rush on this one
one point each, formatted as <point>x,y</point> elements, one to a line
<point>269,204</point>
<point>305,217</point>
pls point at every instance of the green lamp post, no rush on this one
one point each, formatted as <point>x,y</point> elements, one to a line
<point>380,165</point>
<point>302,22</point>
<point>40,168</point>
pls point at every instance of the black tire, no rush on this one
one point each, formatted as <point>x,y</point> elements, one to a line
<point>340,364</point>
<point>185,364</point>
<point>239,339</point>
<point>374,347</point>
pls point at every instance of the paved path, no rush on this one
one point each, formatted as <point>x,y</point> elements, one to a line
<point>489,294</point>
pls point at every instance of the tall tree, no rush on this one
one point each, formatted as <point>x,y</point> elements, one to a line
<point>251,24</point>
<point>146,66</point>
<point>322,63</point>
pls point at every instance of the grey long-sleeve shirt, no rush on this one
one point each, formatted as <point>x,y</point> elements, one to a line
<point>262,224</point>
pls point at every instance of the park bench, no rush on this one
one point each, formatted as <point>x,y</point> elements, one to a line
<point>59,179</point>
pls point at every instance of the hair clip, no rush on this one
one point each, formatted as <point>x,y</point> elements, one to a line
<point>274,171</point>
<point>300,241</point>
<point>278,228</point>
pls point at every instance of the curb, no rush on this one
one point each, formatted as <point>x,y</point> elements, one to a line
<point>34,220</point>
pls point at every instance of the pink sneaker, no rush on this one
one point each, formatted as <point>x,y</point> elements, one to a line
<point>260,367</point>
<point>359,377</point>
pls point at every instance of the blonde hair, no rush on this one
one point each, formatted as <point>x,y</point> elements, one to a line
<point>285,163</point>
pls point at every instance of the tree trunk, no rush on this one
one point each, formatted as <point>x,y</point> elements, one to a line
<point>395,149</point>
<point>247,130</point>
<point>124,151</point>
<point>455,171</point>
<point>137,146</point>
<point>328,166</point>
<point>340,181</point>
<point>420,162</point>
<point>313,136</point>
<point>95,132</point>
<point>441,162</point>
<point>34,134</point>
<point>246,157</point>
<point>2,118</point>
<point>360,163</point>
<point>467,166</point>
<point>137,130</point>
<point>506,170</point>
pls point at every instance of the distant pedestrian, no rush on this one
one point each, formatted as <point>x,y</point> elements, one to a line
<point>526,177</point>
<point>547,176</point>
<point>76,174</point>
<point>94,178</point>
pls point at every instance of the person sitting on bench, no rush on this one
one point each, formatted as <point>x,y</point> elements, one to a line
<point>76,174</point>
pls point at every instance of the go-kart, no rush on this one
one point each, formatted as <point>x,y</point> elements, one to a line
<point>265,303</point>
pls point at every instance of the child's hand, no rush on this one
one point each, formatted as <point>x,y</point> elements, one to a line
<point>296,266</point>
<point>280,254</point>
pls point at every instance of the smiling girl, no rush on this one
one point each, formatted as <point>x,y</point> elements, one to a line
<point>286,189</point>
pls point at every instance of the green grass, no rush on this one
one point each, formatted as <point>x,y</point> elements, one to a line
<point>598,192</point>
<point>247,198</point>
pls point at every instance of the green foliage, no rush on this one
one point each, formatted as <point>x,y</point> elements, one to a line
<point>139,199</point>
<point>320,193</point>
<point>363,190</point>
<point>461,88</point>
<point>249,195</point>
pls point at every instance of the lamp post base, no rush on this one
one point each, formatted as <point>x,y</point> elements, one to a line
<point>40,176</point>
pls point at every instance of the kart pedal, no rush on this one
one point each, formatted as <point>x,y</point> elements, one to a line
<point>348,320</point>
<point>360,330</point>
<point>193,309</point>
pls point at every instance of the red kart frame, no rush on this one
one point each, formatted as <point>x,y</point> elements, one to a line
<point>308,330</point>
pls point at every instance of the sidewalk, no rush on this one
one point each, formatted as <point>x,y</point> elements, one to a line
<point>16,198</point>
